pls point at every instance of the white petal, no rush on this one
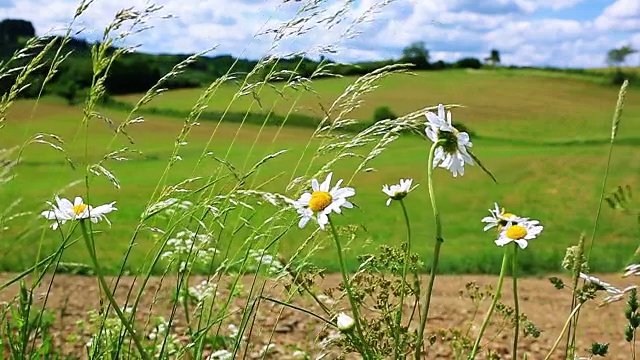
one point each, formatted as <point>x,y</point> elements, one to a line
<point>489,226</point>
<point>314,185</point>
<point>431,133</point>
<point>337,186</point>
<point>388,201</point>
<point>326,183</point>
<point>304,199</point>
<point>347,205</point>
<point>433,119</point>
<point>522,243</point>
<point>63,204</point>
<point>441,112</point>
<point>303,222</point>
<point>323,220</point>
<point>103,209</point>
<point>502,241</point>
<point>343,193</point>
<point>77,201</point>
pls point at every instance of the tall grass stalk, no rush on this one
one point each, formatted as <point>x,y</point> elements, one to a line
<point>617,116</point>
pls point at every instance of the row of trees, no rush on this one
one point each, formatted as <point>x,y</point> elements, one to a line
<point>418,55</point>
<point>137,72</point>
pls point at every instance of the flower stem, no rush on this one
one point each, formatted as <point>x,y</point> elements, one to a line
<point>105,287</point>
<point>496,297</point>
<point>516,305</point>
<point>407,254</point>
<point>347,286</point>
<point>424,313</point>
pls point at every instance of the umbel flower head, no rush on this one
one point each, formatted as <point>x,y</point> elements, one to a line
<point>498,218</point>
<point>322,201</point>
<point>64,211</point>
<point>397,191</point>
<point>452,154</point>
<point>520,231</point>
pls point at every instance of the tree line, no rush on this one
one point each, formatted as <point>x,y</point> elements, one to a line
<point>137,72</point>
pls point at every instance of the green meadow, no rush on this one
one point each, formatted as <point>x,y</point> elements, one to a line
<point>545,138</point>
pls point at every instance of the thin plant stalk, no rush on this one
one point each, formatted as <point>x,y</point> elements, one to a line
<point>564,328</point>
<point>516,305</point>
<point>496,297</point>
<point>347,287</point>
<point>407,254</point>
<point>424,312</point>
<point>105,287</point>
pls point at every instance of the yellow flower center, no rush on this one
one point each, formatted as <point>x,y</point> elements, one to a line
<point>79,209</point>
<point>516,232</point>
<point>502,223</point>
<point>450,144</point>
<point>319,201</point>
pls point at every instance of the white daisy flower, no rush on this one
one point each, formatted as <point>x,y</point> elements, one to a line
<point>322,201</point>
<point>397,191</point>
<point>498,218</point>
<point>520,231</point>
<point>345,322</point>
<point>452,154</point>
<point>64,211</point>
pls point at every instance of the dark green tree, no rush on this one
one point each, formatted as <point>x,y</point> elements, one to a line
<point>617,57</point>
<point>494,58</point>
<point>417,54</point>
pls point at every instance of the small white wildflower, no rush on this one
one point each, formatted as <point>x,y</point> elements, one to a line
<point>397,191</point>
<point>65,211</point>
<point>345,322</point>
<point>452,154</point>
<point>266,348</point>
<point>204,290</point>
<point>220,355</point>
<point>299,354</point>
<point>233,330</point>
<point>326,299</point>
<point>520,231</point>
<point>322,201</point>
<point>498,218</point>
<point>189,245</point>
<point>274,266</point>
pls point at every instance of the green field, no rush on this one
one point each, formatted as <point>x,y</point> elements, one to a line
<point>544,137</point>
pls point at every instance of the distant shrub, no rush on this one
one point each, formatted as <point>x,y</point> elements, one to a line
<point>468,63</point>
<point>383,113</point>
<point>619,76</point>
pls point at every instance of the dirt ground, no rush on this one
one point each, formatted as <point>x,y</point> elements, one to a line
<point>71,297</point>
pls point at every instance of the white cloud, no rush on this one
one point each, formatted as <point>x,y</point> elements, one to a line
<point>525,31</point>
<point>621,15</point>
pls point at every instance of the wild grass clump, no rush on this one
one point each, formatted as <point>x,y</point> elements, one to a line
<point>221,271</point>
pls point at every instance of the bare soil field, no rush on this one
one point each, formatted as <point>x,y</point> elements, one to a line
<point>71,297</point>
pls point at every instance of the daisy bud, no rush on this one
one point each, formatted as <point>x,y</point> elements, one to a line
<point>345,322</point>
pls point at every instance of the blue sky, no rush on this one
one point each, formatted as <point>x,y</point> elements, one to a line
<point>563,33</point>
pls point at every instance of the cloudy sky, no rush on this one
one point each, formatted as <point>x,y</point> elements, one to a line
<point>563,33</point>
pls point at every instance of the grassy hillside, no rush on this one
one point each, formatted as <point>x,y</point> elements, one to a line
<point>511,104</point>
<point>528,128</point>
